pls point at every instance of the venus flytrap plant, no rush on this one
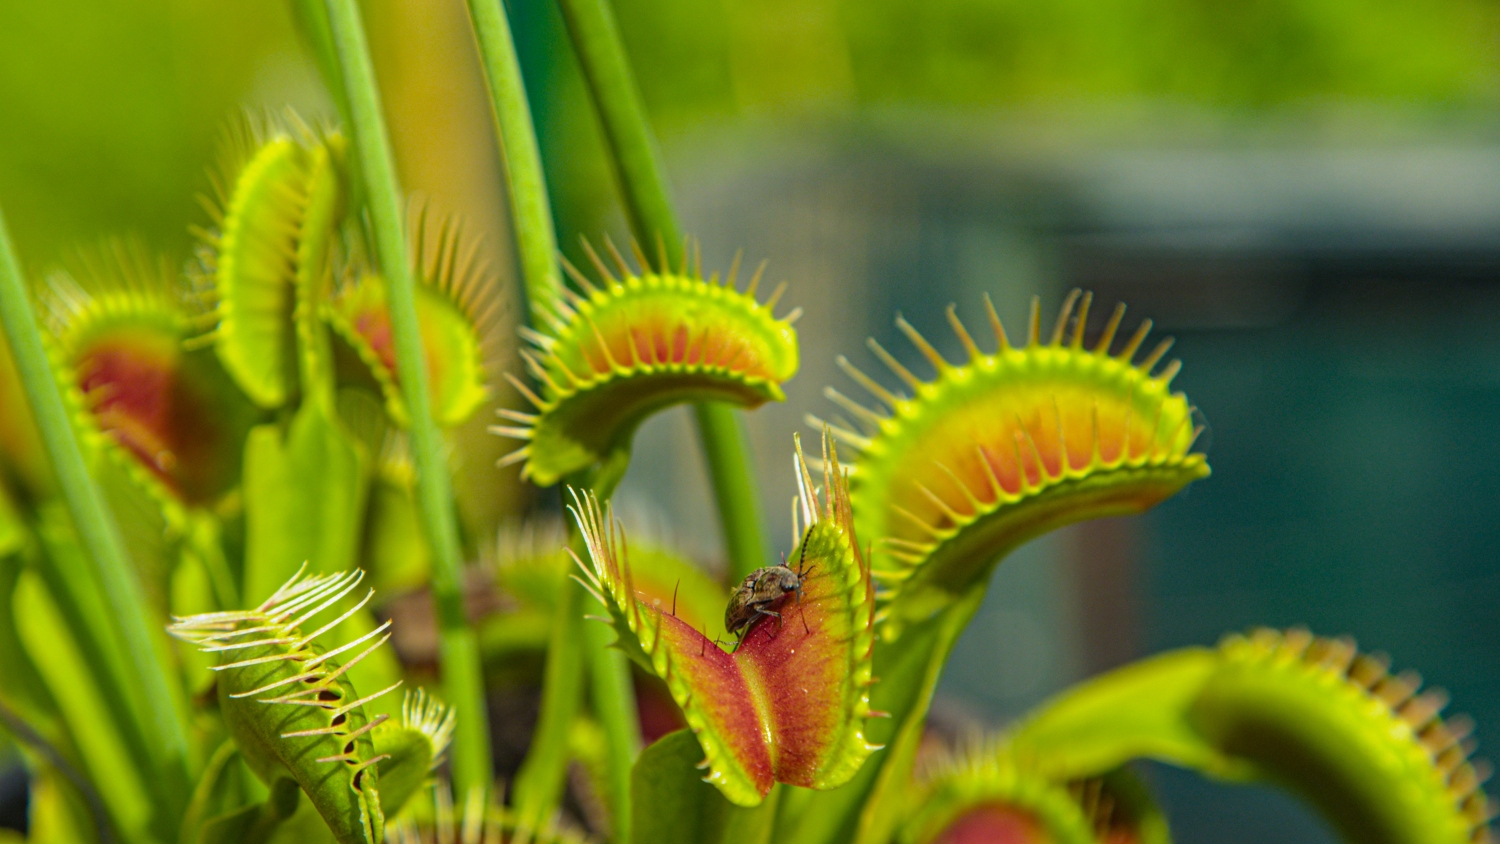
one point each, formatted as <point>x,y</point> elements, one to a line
<point>990,453</point>
<point>775,679</point>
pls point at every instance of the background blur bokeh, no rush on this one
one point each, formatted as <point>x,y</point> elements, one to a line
<point>1306,193</point>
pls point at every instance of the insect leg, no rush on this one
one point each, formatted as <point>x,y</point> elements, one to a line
<point>760,612</point>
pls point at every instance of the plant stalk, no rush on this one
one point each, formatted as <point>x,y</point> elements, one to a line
<point>530,210</point>
<point>539,782</point>
<point>596,40</point>
<point>158,721</point>
<point>572,647</point>
<point>615,706</point>
<point>463,683</point>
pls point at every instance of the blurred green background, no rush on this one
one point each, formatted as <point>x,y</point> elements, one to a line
<point>1306,193</point>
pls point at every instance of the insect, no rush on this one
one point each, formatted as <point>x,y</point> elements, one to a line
<point>760,590</point>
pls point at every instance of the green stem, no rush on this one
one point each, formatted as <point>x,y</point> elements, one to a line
<point>539,782</point>
<point>159,722</point>
<point>727,447</point>
<point>615,707</point>
<point>462,678</point>
<point>571,646</point>
<point>530,210</point>
<point>596,39</point>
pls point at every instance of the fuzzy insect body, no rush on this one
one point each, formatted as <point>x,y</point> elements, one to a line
<point>755,596</point>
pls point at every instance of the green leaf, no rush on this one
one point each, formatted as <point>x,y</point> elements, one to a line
<point>220,790</point>
<point>49,641</point>
<point>671,800</point>
<point>21,687</point>
<point>56,814</point>
<point>396,552</point>
<point>1141,711</point>
<point>305,492</point>
<point>257,823</point>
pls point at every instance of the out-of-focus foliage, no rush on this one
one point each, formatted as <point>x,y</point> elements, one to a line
<point>111,110</point>
<point>694,58</point>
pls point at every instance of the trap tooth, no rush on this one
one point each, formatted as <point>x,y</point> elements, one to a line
<point>1421,709</point>
<point>1369,669</point>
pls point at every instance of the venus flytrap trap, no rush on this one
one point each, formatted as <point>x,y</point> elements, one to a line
<point>624,347</point>
<point>1310,713</point>
<point>984,792</point>
<point>118,323</point>
<point>291,709</point>
<point>1006,446</point>
<point>789,703</point>
<point>456,308</point>
<point>276,209</point>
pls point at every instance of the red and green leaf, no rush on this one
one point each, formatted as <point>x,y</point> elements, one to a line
<point>1006,446</point>
<point>987,793</point>
<point>457,306</point>
<point>630,346</point>
<point>790,703</point>
<point>992,800</point>
<point>118,322</point>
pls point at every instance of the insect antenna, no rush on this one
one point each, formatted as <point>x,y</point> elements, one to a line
<point>674,597</point>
